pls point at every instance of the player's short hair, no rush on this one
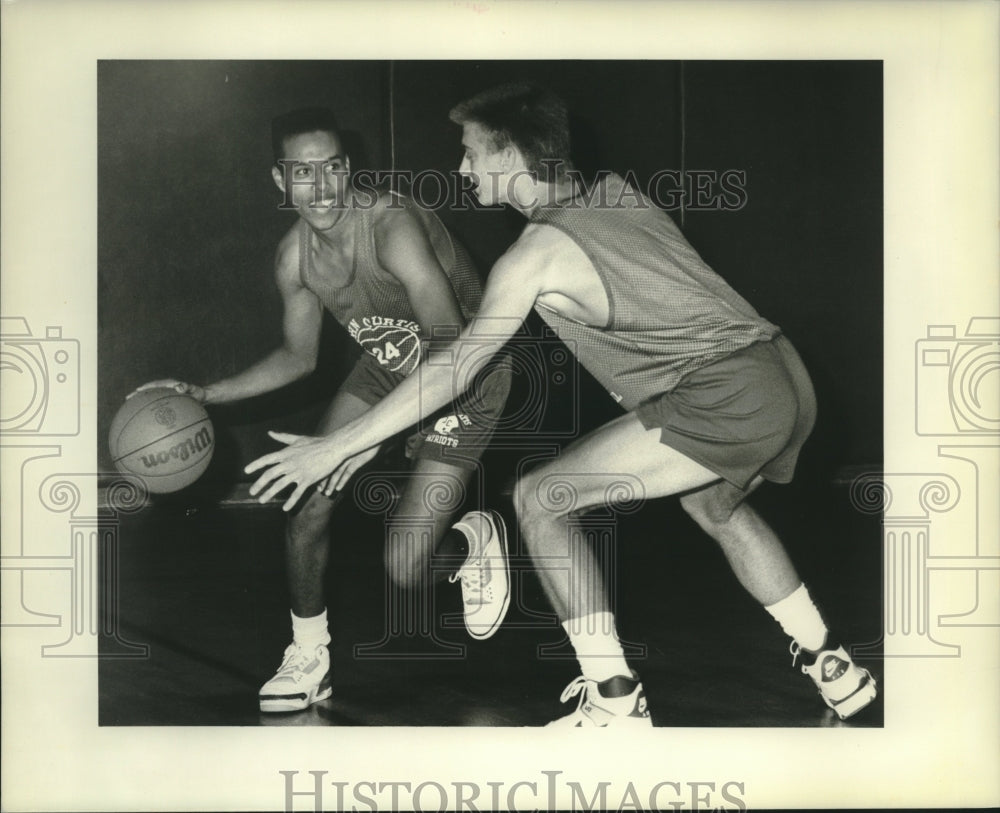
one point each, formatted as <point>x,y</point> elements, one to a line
<point>526,115</point>
<point>301,120</point>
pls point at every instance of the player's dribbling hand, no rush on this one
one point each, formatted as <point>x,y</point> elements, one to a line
<point>304,461</point>
<point>182,387</point>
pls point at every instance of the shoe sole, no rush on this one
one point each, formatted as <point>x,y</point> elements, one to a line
<point>619,722</point>
<point>857,700</point>
<point>501,528</point>
<point>296,702</point>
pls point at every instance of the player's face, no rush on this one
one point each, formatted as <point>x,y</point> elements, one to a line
<point>317,182</point>
<point>482,165</point>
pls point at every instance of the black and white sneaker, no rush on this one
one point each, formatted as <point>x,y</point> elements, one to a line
<point>845,687</point>
<point>302,679</point>
<point>617,701</point>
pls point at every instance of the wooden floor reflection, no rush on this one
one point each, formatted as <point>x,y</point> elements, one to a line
<point>203,587</point>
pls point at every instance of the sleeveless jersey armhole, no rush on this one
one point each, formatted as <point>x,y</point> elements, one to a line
<point>609,325</point>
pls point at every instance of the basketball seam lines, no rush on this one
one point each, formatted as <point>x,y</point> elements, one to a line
<point>158,440</point>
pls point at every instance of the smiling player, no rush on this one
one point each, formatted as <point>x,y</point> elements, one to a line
<point>392,276</point>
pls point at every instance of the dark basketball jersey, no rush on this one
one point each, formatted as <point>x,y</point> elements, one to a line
<point>669,312</point>
<point>373,306</point>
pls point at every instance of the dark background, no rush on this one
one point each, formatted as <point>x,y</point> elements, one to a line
<point>188,223</point>
<point>188,218</point>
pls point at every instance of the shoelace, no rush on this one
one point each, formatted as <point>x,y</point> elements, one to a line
<point>295,659</point>
<point>471,574</point>
<point>575,687</point>
<point>795,651</point>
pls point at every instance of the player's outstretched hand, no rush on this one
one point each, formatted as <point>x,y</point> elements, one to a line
<point>196,392</point>
<point>304,460</point>
<point>340,478</point>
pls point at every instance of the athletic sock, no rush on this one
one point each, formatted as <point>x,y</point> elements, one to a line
<point>310,632</point>
<point>800,619</point>
<point>596,644</point>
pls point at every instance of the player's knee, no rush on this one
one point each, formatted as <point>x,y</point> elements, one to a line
<point>402,574</point>
<point>706,510</point>
<point>525,496</point>
<point>311,519</point>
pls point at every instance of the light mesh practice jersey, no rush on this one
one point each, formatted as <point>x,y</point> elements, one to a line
<point>669,312</point>
<point>374,306</point>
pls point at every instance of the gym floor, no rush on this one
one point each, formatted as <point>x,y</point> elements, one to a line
<point>199,619</point>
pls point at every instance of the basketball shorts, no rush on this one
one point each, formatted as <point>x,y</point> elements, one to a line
<point>746,414</point>
<point>458,433</point>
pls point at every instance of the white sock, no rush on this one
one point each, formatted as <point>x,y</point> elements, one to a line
<point>310,632</point>
<point>800,619</point>
<point>596,644</point>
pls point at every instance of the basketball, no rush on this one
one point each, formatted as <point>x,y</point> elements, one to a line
<point>165,438</point>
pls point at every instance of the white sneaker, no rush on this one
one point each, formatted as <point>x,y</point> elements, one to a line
<point>845,687</point>
<point>617,701</point>
<point>302,679</point>
<point>485,575</point>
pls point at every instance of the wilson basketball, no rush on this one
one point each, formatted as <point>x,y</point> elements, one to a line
<point>165,438</point>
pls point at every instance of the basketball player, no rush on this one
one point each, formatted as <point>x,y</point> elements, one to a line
<point>391,274</point>
<point>716,400</point>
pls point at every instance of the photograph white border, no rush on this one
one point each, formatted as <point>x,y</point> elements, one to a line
<point>939,744</point>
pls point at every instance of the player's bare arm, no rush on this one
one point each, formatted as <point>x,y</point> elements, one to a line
<point>294,359</point>
<point>405,251</point>
<point>519,278</point>
<point>571,285</point>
